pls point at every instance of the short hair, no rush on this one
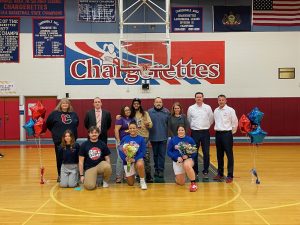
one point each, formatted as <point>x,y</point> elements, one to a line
<point>199,93</point>
<point>181,125</point>
<point>132,123</point>
<point>221,95</point>
<point>94,128</point>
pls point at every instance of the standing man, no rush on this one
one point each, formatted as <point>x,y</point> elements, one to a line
<point>226,124</point>
<point>94,160</point>
<point>158,135</point>
<point>100,118</point>
<point>200,117</point>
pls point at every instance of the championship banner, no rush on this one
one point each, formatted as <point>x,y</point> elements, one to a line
<point>48,38</point>
<point>9,39</point>
<point>232,18</point>
<point>44,8</point>
<point>99,11</point>
<point>186,19</point>
<point>193,63</point>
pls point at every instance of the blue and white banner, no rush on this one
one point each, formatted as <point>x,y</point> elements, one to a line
<point>100,11</point>
<point>44,8</point>
<point>9,39</point>
<point>49,38</point>
<point>187,19</point>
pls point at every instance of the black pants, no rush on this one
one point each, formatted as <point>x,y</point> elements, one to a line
<point>224,143</point>
<point>58,155</point>
<point>202,137</point>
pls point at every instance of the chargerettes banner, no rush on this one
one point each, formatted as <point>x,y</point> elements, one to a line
<point>193,62</point>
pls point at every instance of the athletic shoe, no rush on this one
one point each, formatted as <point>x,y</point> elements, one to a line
<point>193,187</point>
<point>229,180</point>
<point>149,178</point>
<point>218,177</point>
<point>1,155</point>
<point>143,185</point>
<point>105,184</point>
<point>118,180</point>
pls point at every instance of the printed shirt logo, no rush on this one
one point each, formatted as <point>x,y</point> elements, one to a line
<point>66,118</point>
<point>94,153</point>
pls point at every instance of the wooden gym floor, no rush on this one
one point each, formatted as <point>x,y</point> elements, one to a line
<point>275,201</point>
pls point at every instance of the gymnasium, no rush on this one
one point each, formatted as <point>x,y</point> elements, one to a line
<point>119,50</point>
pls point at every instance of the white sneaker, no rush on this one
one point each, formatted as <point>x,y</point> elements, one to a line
<point>105,184</point>
<point>143,185</point>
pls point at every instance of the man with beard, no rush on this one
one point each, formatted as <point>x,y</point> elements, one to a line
<point>158,135</point>
<point>94,160</point>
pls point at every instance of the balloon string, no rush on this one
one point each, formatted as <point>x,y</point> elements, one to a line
<point>38,145</point>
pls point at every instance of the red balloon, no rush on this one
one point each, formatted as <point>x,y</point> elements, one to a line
<point>39,127</point>
<point>38,110</point>
<point>244,124</point>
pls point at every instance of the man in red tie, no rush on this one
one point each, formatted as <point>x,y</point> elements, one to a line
<point>100,118</point>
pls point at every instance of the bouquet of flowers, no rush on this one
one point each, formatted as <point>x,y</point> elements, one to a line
<point>130,149</point>
<point>186,148</point>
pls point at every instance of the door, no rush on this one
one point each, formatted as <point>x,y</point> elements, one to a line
<point>48,102</point>
<point>9,118</point>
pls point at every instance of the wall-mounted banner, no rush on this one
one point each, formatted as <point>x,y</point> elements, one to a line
<point>193,62</point>
<point>232,18</point>
<point>9,39</point>
<point>48,38</point>
<point>100,11</point>
<point>32,8</point>
<point>187,19</point>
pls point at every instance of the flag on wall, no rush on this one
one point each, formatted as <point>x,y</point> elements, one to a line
<point>276,13</point>
<point>232,18</point>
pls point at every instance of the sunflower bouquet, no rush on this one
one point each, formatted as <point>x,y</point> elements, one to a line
<point>130,149</point>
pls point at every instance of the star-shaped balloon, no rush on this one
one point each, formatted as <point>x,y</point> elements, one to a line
<point>244,124</point>
<point>255,116</point>
<point>257,136</point>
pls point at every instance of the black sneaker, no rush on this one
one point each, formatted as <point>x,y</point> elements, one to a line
<point>58,179</point>
<point>1,155</point>
<point>149,179</point>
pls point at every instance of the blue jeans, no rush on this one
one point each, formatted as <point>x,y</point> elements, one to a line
<point>159,154</point>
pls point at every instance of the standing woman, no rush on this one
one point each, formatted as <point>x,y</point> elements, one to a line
<point>177,118</point>
<point>121,130</point>
<point>61,119</point>
<point>69,150</point>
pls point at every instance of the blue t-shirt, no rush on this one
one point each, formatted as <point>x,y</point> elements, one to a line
<point>174,153</point>
<point>69,155</point>
<point>137,142</point>
<point>93,153</point>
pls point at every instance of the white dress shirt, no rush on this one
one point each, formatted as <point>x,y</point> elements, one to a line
<point>225,119</point>
<point>200,117</point>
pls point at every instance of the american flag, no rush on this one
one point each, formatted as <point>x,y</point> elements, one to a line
<point>276,13</point>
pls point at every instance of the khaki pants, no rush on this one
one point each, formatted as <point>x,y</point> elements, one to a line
<point>90,175</point>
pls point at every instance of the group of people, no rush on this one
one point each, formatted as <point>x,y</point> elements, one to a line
<point>134,128</point>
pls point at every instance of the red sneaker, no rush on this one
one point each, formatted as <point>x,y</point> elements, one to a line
<point>193,187</point>
<point>218,177</point>
<point>229,180</point>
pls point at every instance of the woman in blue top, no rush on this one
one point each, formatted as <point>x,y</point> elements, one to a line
<point>69,150</point>
<point>121,130</point>
<point>133,143</point>
<point>183,162</point>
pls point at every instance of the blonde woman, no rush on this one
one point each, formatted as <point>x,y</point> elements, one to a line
<point>61,119</point>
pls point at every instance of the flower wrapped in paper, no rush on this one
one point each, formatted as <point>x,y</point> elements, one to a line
<point>130,149</point>
<point>186,149</point>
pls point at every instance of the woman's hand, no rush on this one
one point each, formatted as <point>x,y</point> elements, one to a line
<point>179,160</point>
<point>185,157</point>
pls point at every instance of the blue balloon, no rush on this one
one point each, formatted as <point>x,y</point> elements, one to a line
<point>29,127</point>
<point>255,116</point>
<point>257,136</point>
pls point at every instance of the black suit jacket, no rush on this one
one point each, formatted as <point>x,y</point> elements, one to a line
<point>90,120</point>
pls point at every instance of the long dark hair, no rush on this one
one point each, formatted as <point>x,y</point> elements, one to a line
<point>63,141</point>
<point>141,110</point>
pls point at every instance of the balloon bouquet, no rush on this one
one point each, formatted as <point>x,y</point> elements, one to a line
<point>36,126</point>
<point>250,125</point>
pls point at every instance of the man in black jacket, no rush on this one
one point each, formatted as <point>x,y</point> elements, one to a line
<point>99,118</point>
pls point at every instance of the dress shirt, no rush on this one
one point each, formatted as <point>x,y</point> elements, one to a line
<point>200,117</point>
<point>225,119</point>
